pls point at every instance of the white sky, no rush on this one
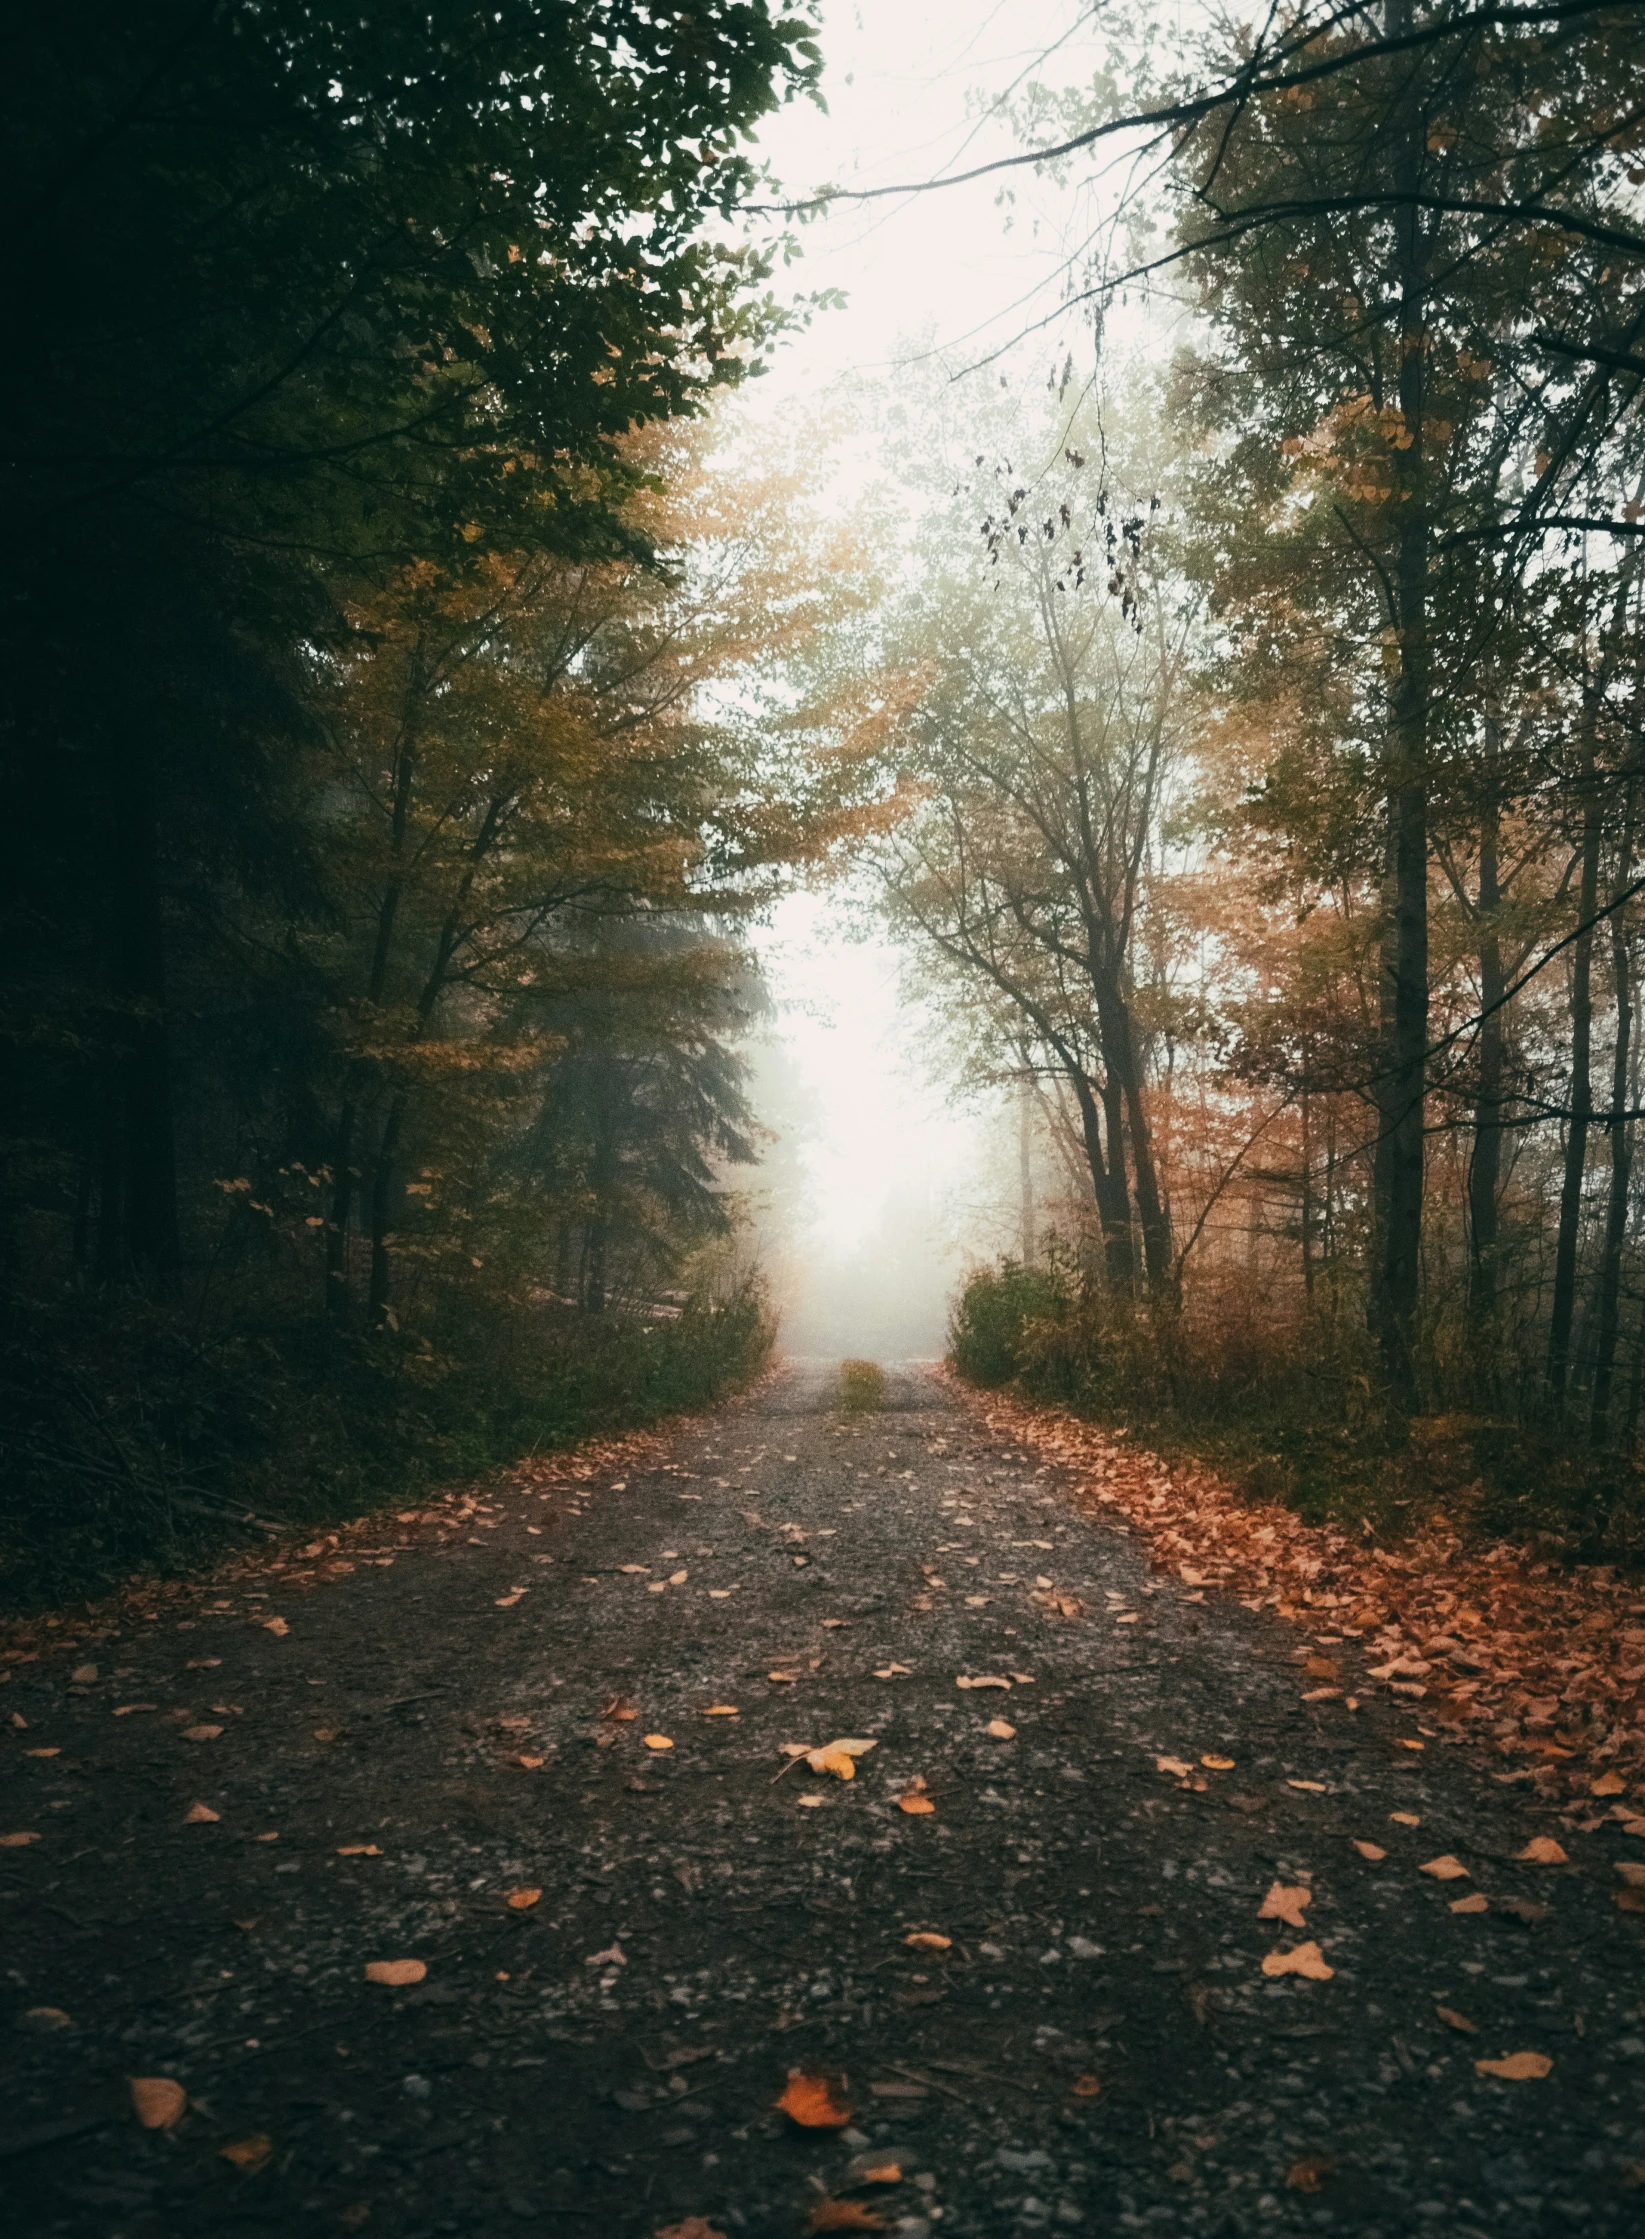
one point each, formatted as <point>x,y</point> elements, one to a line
<point>887,1148</point>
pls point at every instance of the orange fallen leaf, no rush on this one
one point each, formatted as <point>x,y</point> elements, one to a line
<point>844,2215</point>
<point>531,1764</point>
<point>1453,2020</point>
<point>1287,1904</point>
<point>783,1678</point>
<point>1308,2176</point>
<point>722,1710</point>
<point>198,1815</point>
<point>1445,1868</point>
<point>1309,1787</point>
<point>250,2153</point>
<point>201,1733</point>
<point>814,2103</point>
<point>17,1842</point>
<point>46,1752</point>
<point>987,1679</point>
<point>658,1741</point>
<point>1174,1766</point>
<point>1086,2087</point>
<point>1608,1784</point>
<point>1218,1764</point>
<point>927,1939</point>
<point>1406,1818</point>
<point>914,1799</point>
<point>507,1601</point>
<point>395,1972</point>
<point>1304,1959</point>
<point>1478,1902</point>
<point>157,2101</point>
<point>1630,1900</point>
<point>279,1628</point>
<point>620,1708</point>
<point>358,1850</point>
<point>893,1671</point>
<point>879,2173</point>
<point>1542,1850</point>
<point>1000,1729</point>
<point>1632,1872</point>
<point>522,1900</point>
<point>1373,1851</point>
<point>694,2227</point>
<point>1517,2067</point>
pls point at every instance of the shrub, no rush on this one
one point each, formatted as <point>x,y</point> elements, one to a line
<point>862,1387</point>
<point>997,1321</point>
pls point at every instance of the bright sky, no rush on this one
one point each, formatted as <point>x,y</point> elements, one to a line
<point>893,1171</point>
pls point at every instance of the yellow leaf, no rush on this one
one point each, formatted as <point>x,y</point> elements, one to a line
<point>811,1802</point>
<point>783,1678</point>
<point>1000,1729</point>
<point>358,1850</point>
<point>1445,1868</point>
<point>927,1939</point>
<point>522,1900</point>
<point>722,1710</point>
<point>658,1741</point>
<point>1405,1818</point>
<point>1516,2067</point>
<point>1453,2020</point>
<point>1373,1851</point>
<point>837,1761</point>
<point>1218,1764</point>
<point>1608,1784</point>
<point>199,1815</point>
<point>250,2153</point>
<point>279,1628</point>
<point>1478,1902</point>
<point>1287,1904</point>
<point>1174,1766</point>
<point>815,2103</point>
<point>1303,1959</point>
<point>532,1764</point>
<point>988,1679</point>
<point>1309,1787</point>
<point>914,1799</point>
<point>395,1972</point>
<point>1542,1850</point>
<point>157,2101</point>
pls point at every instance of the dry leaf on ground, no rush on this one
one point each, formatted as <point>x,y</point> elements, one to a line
<point>1542,1850</point>
<point>1174,1766</point>
<point>694,2227</point>
<point>927,1939</point>
<point>1309,1787</point>
<point>395,1972</point>
<point>358,1850</point>
<point>1445,1868</point>
<point>279,1628</point>
<point>843,2215</point>
<point>1453,2020</point>
<point>157,2101</point>
<point>658,1741</point>
<point>18,1841</point>
<point>815,2102</point>
<point>987,1679</point>
<point>1405,1818</point>
<point>1478,1902</point>
<point>199,1815</point>
<point>1001,1729</point>
<point>1218,1764</point>
<point>1086,2087</point>
<point>1608,1784</point>
<point>522,1900</point>
<point>201,1733</point>
<point>1373,1851</point>
<point>1304,1959</point>
<point>1309,2175</point>
<point>1287,1904</point>
<point>893,1671</point>
<point>1517,2067</point>
<point>722,1710</point>
<point>914,1799</point>
<point>1632,1872</point>
<point>250,2153</point>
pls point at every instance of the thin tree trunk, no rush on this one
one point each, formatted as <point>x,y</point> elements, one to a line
<point>1025,1166</point>
<point>1307,1208</point>
<point>1582,1090</point>
<point>383,1177</point>
<point>1620,1131</point>
<point>1485,1164</point>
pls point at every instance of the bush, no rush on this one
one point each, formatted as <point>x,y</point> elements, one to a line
<point>132,1441</point>
<point>862,1387</point>
<point>996,1326</point>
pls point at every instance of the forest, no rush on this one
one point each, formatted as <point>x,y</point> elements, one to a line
<point>417,684</point>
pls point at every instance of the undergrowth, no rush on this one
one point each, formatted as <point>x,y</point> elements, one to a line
<point>1289,1410</point>
<point>862,1387</point>
<point>130,1440</point>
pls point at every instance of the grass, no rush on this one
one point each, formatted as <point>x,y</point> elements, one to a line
<point>862,1387</point>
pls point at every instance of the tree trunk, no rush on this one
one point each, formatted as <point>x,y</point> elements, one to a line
<point>1620,1131</point>
<point>1485,1164</point>
<point>1025,1166</point>
<point>379,1313</point>
<point>1582,1089</point>
<point>1111,1208</point>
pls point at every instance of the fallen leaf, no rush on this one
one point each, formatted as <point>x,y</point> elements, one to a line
<point>620,1709</point>
<point>927,1939</point>
<point>1516,2067</point>
<point>1453,2020</point>
<point>839,1762</point>
<point>1632,1872</point>
<point>1405,1818</point>
<point>157,2101</point>
<point>722,1710</point>
<point>522,1900</point>
<point>1310,1787</point>
<point>1218,1764</point>
<point>1303,1959</point>
<point>1445,1868</point>
<point>783,1678</point>
<point>1307,2176</point>
<point>198,1815</point>
<point>814,2103</point>
<point>58,1752</point>
<point>395,1972</point>
<point>83,1675</point>
<point>914,1799</point>
<point>1287,1904</point>
<point>1542,1850</point>
<point>658,1741</point>
<point>1630,1900</point>
<point>1407,1744</point>
<point>1086,2087</point>
<point>633,1570</point>
<point>250,2153</point>
<point>279,1628</point>
<point>359,1850</point>
<point>986,1680</point>
<point>843,2215</point>
<point>201,1733</point>
<point>46,2020</point>
<point>678,1577</point>
<point>532,1764</point>
<point>1608,1784</point>
<point>1478,1902</point>
<point>1000,1729</point>
<point>1174,1766</point>
<point>1023,1678</point>
<point>811,1801</point>
<point>877,2173</point>
<point>613,1956</point>
<point>1373,1851</point>
<point>694,2227</point>
<point>893,1671</point>
<point>203,1663</point>
<point>507,1601</point>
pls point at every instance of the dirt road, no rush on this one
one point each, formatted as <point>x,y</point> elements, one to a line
<point>394,1751</point>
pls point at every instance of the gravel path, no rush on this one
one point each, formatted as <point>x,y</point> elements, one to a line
<point>1095,2048</point>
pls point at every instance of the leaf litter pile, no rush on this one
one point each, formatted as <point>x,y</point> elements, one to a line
<point>808,1822</point>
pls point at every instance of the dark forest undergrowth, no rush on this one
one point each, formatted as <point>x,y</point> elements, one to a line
<point>134,1441</point>
<point>1292,1412</point>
